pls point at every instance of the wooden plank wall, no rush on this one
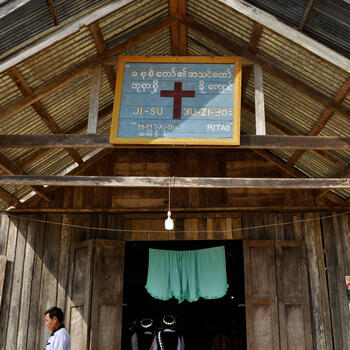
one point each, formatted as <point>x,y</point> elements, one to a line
<point>37,251</point>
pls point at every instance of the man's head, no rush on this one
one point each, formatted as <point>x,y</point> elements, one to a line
<point>53,318</point>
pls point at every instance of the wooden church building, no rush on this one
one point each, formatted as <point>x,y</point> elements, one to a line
<point>84,193</point>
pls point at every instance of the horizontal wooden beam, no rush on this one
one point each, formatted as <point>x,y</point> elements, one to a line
<point>179,182</point>
<point>247,142</point>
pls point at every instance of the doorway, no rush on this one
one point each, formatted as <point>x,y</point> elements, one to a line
<point>201,322</point>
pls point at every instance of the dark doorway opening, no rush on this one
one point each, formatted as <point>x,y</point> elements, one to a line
<point>200,322</point>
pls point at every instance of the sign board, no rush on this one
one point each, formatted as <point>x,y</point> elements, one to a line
<point>177,100</point>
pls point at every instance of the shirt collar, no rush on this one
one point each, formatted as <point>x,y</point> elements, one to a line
<point>61,326</point>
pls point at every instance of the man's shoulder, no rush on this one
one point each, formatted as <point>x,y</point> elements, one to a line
<point>62,332</point>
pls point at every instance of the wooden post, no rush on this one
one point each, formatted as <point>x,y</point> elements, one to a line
<point>94,100</point>
<point>259,101</point>
<point>2,274</point>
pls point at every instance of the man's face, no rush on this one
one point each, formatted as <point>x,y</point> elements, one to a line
<point>51,323</point>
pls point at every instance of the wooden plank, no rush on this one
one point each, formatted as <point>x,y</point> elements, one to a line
<point>4,227</point>
<point>336,275</point>
<point>9,198</point>
<point>321,324</point>
<point>63,264</point>
<point>270,21</point>
<point>27,292</point>
<point>9,280</point>
<point>94,100</point>
<point>268,67</point>
<point>293,295</point>
<point>48,284</point>
<point>2,274</point>
<point>179,182</point>
<point>294,142</point>
<point>182,9</point>
<point>260,295</point>
<point>79,294</point>
<point>107,295</point>
<point>33,316</point>
<point>260,125</point>
<point>82,69</point>
<point>53,12</point>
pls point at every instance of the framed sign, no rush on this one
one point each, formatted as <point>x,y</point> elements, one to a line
<point>177,100</point>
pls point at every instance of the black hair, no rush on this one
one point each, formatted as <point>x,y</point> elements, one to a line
<point>55,311</point>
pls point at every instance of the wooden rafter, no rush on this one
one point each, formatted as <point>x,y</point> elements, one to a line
<point>10,167</point>
<point>53,12</point>
<point>32,157</point>
<point>9,198</point>
<point>268,67</point>
<point>101,48</point>
<point>84,68</point>
<point>175,40</point>
<point>291,171</point>
<point>326,115</point>
<point>40,109</point>
<point>306,14</point>
<point>182,10</point>
<point>286,131</point>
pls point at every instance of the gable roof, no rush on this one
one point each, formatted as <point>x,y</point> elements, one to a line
<point>48,54</point>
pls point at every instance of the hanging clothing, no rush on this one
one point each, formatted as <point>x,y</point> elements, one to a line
<point>187,275</point>
<point>142,341</point>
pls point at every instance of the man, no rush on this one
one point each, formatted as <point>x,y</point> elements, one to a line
<point>59,339</point>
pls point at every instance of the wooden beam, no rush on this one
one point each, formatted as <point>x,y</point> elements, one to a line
<point>53,12</point>
<point>338,162</point>
<point>326,115</point>
<point>182,10</point>
<point>82,69</point>
<point>32,157</point>
<point>61,32</point>
<point>101,48</point>
<point>260,127</point>
<point>10,167</point>
<point>252,47</point>
<point>175,42</point>
<point>39,108</point>
<point>9,198</point>
<point>94,100</point>
<point>306,14</point>
<point>178,182</point>
<point>271,22</point>
<point>247,142</point>
<point>268,67</point>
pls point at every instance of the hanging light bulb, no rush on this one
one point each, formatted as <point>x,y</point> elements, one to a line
<point>169,222</point>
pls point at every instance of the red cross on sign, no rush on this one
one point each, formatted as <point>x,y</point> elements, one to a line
<point>177,94</point>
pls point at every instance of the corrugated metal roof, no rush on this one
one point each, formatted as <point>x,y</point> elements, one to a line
<point>221,19</point>
<point>292,11</point>
<point>290,107</point>
<point>132,19</point>
<point>300,63</point>
<point>328,22</point>
<point>67,9</point>
<point>8,91</point>
<point>24,24</point>
<point>59,58</point>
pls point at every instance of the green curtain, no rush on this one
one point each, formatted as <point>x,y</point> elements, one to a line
<point>187,275</point>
